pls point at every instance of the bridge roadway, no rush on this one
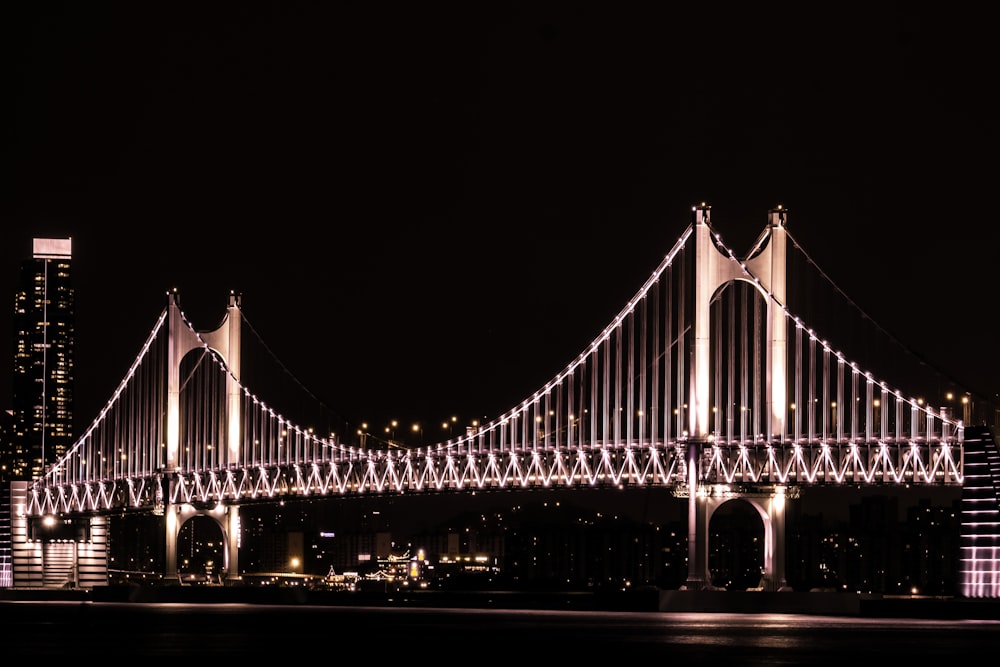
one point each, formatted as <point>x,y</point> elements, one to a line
<point>469,467</point>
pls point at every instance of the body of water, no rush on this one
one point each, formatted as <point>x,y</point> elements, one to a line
<point>425,635</point>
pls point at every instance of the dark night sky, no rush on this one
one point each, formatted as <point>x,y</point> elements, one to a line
<point>432,211</point>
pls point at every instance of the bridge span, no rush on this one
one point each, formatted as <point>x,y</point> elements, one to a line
<point>707,382</point>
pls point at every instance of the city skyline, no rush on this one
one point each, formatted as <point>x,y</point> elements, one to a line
<point>448,221</point>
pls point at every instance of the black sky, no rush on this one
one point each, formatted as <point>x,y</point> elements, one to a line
<point>430,211</point>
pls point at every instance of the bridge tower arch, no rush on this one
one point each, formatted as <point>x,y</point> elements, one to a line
<point>713,270</point>
<point>225,340</point>
<point>223,519</point>
<point>770,507</point>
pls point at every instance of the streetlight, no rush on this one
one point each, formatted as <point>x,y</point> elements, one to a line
<point>418,429</point>
<point>390,430</point>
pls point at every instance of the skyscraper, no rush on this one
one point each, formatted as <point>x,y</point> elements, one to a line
<point>43,360</point>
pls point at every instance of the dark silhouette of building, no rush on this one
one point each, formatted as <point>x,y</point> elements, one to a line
<point>812,553</point>
<point>42,396</point>
<point>6,445</point>
<point>931,549</point>
<point>531,543</point>
<point>736,547</point>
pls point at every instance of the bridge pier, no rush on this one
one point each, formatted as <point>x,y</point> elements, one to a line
<point>769,502</point>
<point>228,519</point>
<point>698,575</point>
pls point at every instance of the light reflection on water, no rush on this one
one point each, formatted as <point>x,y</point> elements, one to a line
<point>234,630</point>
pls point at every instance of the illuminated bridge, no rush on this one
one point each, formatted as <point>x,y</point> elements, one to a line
<point>715,380</point>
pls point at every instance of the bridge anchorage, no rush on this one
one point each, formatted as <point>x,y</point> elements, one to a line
<point>707,383</point>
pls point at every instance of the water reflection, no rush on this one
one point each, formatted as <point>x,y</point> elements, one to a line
<point>384,633</point>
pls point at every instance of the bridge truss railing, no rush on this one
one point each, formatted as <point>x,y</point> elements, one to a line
<point>436,468</point>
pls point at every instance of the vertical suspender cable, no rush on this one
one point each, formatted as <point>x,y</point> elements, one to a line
<point>644,371</point>
<point>606,392</point>
<point>615,384</point>
<point>730,403</point>
<point>797,417</point>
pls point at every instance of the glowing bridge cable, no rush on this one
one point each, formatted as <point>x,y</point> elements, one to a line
<point>595,345</point>
<point>53,472</point>
<point>842,359</point>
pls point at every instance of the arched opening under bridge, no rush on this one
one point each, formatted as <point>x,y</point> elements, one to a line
<point>202,550</point>
<point>736,545</point>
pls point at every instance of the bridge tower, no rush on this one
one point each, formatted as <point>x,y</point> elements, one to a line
<point>225,340</point>
<point>713,271</point>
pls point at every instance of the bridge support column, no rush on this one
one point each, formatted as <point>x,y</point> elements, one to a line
<point>173,528</point>
<point>774,543</point>
<point>232,531</point>
<point>698,575</point>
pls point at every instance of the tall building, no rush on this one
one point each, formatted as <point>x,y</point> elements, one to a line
<point>42,424</point>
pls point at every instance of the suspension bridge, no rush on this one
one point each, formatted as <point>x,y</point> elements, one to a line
<point>714,380</point>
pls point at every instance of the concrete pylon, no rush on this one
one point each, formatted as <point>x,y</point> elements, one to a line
<point>713,270</point>
<point>225,340</point>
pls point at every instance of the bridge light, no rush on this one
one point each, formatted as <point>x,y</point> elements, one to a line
<point>779,498</point>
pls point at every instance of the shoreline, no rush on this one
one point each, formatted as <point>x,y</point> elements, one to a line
<point>643,600</point>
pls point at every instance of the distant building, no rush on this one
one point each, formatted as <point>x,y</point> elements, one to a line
<point>42,397</point>
<point>6,445</point>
